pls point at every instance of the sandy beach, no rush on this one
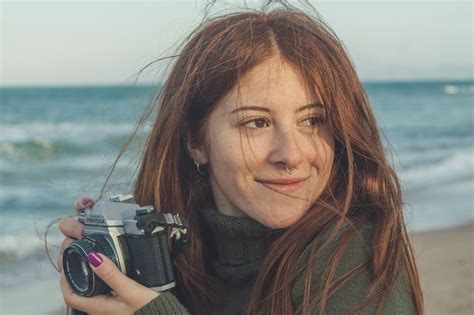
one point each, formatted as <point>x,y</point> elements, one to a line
<point>445,262</point>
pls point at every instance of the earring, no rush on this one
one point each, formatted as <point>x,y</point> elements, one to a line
<point>198,165</point>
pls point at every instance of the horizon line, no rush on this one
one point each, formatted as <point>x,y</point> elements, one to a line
<point>145,84</point>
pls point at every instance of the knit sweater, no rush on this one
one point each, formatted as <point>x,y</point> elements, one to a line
<point>240,245</point>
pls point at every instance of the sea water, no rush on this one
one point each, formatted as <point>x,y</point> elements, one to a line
<point>57,143</point>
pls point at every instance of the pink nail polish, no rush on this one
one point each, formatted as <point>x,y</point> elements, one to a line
<point>83,232</point>
<point>94,259</point>
<point>86,201</point>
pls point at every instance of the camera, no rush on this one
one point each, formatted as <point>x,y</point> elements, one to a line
<point>135,238</point>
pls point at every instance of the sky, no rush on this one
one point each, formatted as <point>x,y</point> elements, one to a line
<point>107,42</point>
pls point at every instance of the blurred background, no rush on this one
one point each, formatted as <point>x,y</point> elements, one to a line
<point>70,94</point>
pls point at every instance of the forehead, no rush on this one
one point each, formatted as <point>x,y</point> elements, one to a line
<point>274,83</point>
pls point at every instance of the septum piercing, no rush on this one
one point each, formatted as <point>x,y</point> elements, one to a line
<point>290,171</point>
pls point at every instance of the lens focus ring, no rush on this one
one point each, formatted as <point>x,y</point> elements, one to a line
<point>78,273</point>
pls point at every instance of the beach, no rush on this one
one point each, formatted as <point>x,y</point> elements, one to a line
<point>445,262</point>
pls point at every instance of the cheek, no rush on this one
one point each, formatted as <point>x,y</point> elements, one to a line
<point>324,151</point>
<point>225,155</point>
<point>231,151</point>
<point>326,157</point>
<point>325,169</point>
<point>329,157</point>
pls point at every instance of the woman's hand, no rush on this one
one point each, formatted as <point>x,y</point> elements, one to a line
<point>71,228</point>
<point>129,297</point>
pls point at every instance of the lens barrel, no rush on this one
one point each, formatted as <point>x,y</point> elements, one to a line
<point>78,273</point>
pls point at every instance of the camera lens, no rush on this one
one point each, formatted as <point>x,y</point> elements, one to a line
<point>78,273</point>
<point>80,269</point>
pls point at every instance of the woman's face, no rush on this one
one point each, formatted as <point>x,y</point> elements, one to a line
<point>266,122</point>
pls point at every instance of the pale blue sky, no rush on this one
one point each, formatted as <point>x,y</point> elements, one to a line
<point>107,42</point>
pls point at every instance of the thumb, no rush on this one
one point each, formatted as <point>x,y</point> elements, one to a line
<point>130,291</point>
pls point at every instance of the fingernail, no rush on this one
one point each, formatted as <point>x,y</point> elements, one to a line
<point>83,232</point>
<point>86,201</point>
<point>94,259</point>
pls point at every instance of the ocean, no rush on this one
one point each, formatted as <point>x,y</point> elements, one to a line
<point>57,143</point>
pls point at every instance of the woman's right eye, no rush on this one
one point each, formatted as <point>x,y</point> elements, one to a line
<point>256,123</point>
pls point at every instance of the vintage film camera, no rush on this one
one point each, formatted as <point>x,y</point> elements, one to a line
<point>135,238</point>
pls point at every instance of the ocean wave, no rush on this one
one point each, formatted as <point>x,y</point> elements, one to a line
<point>458,89</point>
<point>26,144</point>
<point>68,131</point>
<point>459,165</point>
<point>24,245</point>
<point>38,149</point>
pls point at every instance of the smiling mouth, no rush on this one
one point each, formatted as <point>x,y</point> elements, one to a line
<point>283,185</point>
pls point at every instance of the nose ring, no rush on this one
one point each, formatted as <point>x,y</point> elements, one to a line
<point>290,171</point>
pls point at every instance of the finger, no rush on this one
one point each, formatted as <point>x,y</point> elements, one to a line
<point>70,298</point>
<point>130,291</point>
<point>65,243</point>
<point>104,304</point>
<point>71,228</point>
<point>59,263</point>
<point>83,202</point>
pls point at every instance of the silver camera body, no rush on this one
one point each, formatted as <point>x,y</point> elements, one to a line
<point>135,238</point>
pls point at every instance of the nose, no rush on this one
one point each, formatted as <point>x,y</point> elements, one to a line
<point>286,149</point>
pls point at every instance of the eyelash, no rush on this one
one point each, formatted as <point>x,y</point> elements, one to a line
<point>317,119</point>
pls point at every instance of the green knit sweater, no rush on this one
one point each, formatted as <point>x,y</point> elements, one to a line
<point>240,245</point>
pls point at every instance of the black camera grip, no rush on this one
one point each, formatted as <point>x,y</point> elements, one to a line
<point>151,260</point>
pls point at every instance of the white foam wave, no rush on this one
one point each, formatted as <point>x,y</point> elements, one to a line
<point>94,163</point>
<point>15,246</point>
<point>457,165</point>
<point>14,193</point>
<point>35,148</point>
<point>458,89</point>
<point>45,132</point>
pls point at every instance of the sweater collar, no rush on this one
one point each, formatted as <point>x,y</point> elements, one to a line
<point>240,244</point>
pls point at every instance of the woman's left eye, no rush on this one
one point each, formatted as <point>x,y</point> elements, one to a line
<point>313,121</point>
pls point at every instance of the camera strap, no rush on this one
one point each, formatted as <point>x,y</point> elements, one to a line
<point>154,222</point>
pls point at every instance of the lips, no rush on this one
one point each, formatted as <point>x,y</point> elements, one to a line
<point>283,185</point>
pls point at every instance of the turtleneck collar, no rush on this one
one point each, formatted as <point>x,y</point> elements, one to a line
<point>240,244</point>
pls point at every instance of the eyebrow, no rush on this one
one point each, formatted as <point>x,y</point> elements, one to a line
<point>316,104</point>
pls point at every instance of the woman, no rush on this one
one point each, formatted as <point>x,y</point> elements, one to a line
<point>265,142</point>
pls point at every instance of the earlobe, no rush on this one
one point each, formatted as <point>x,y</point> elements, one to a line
<point>196,152</point>
<point>199,154</point>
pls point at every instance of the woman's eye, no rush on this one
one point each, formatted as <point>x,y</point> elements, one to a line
<point>256,123</point>
<point>313,121</point>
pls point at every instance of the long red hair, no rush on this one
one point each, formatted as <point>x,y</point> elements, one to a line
<point>363,187</point>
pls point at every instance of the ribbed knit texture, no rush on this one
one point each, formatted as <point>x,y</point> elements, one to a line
<point>240,244</point>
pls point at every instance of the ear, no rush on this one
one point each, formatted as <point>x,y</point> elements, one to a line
<point>196,151</point>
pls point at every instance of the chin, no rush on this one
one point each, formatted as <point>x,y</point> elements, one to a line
<point>289,213</point>
<point>281,221</point>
